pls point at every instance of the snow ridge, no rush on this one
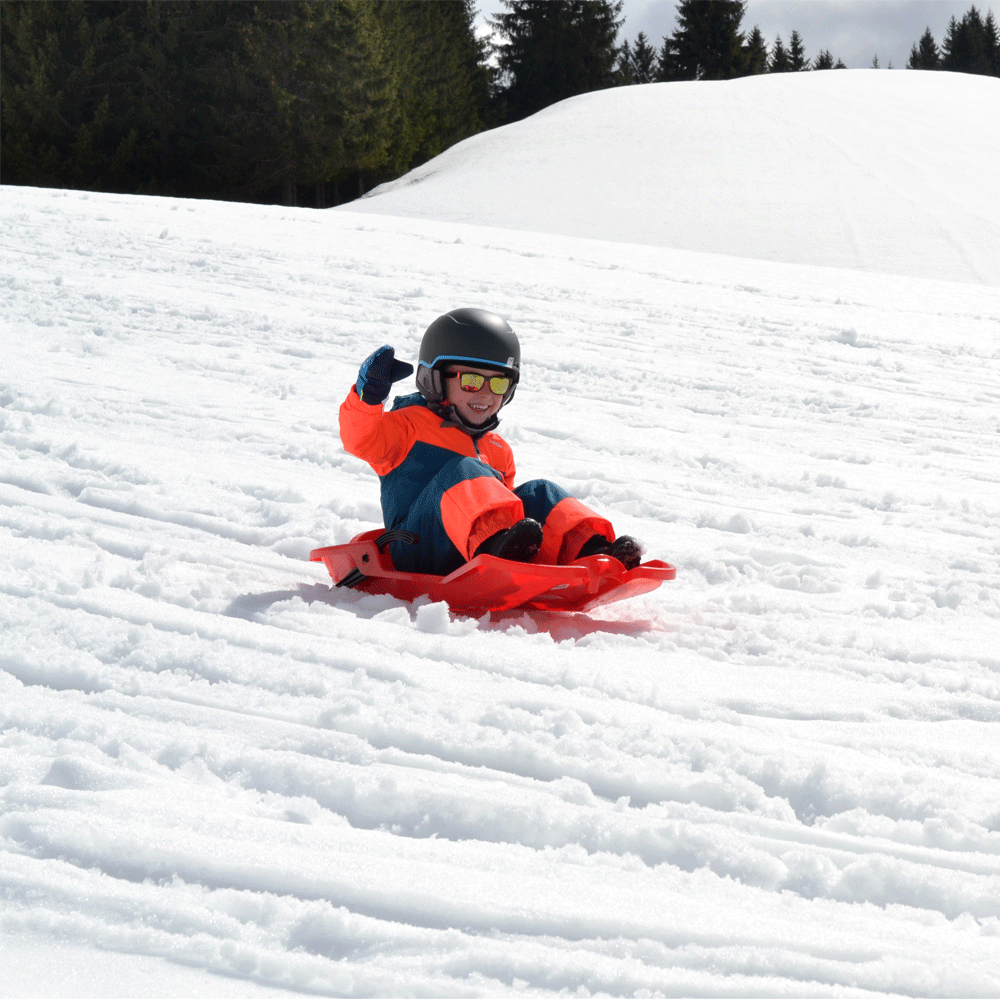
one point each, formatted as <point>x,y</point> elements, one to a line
<point>874,171</point>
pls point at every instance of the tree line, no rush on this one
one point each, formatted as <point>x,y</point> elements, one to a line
<point>971,45</point>
<point>259,101</point>
<point>709,45</point>
<point>314,101</point>
<point>553,50</point>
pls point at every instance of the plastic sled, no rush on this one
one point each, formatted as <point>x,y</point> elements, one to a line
<point>487,583</point>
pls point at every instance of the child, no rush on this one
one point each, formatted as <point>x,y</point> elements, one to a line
<point>446,476</point>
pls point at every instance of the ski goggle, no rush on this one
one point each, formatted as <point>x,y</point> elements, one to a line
<point>473,382</point>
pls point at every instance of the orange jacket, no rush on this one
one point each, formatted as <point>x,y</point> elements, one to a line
<point>409,445</point>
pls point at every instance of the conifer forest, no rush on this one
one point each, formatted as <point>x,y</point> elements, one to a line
<point>313,102</point>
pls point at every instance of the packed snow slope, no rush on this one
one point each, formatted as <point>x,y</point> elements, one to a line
<point>880,171</point>
<point>777,775</point>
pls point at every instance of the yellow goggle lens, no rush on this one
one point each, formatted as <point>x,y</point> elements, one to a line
<point>473,382</point>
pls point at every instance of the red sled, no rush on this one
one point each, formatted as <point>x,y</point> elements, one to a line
<point>487,583</point>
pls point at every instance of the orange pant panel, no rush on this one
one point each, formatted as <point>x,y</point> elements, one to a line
<point>474,509</point>
<point>567,527</point>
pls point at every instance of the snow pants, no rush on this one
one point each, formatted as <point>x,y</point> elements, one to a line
<point>467,502</point>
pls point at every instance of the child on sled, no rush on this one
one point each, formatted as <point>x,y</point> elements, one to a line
<point>446,476</point>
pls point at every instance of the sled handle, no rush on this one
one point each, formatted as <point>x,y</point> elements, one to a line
<point>396,535</point>
<point>352,579</point>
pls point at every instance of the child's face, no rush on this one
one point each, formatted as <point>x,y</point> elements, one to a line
<point>474,407</point>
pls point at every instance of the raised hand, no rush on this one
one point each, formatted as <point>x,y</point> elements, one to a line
<point>377,373</point>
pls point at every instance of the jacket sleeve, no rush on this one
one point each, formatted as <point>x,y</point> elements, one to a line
<point>368,432</point>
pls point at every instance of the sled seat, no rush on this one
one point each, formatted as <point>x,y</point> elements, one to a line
<point>487,583</point>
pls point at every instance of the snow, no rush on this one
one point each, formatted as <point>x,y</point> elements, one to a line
<point>778,775</point>
<point>870,170</point>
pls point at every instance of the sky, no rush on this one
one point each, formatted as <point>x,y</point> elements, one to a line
<point>853,30</point>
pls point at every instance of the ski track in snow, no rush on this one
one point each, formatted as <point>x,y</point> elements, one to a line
<point>778,775</point>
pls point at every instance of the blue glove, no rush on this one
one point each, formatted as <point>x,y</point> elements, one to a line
<point>378,372</point>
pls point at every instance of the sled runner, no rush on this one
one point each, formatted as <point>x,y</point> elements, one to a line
<point>487,583</point>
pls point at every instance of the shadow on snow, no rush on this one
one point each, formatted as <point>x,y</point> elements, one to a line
<point>560,626</point>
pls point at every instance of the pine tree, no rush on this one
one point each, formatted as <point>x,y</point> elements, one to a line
<point>667,68</point>
<point>824,60</point>
<point>549,51</point>
<point>797,54</point>
<point>454,66</point>
<point>926,55</point>
<point>234,99</point>
<point>181,50</point>
<point>707,43</point>
<point>971,46</point>
<point>992,44</point>
<point>439,77</point>
<point>993,41</point>
<point>780,61</point>
<point>37,129</point>
<point>952,48</point>
<point>102,95</point>
<point>643,59</point>
<point>311,98</point>
<point>625,67</point>
<point>755,53</point>
<point>958,50</point>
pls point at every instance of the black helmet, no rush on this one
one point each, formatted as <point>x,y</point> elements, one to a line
<point>470,336</point>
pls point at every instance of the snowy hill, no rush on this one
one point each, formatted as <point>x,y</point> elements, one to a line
<point>880,171</point>
<point>778,775</point>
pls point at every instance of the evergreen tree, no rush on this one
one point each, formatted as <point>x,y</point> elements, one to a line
<point>57,113</point>
<point>111,96</point>
<point>251,99</point>
<point>824,60</point>
<point>312,94</point>
<point>549,51</point>
<point>179,51</point>
<point>755,53</point>
<point>625,67</point>
<point>970,45</point>
<point>926,55</point>
<point>643,59</point>
<point>707,43</point>
<point>992,43</point>
<point>956,49</point>
<point>667,68</point>
<point>439,76</point>
<point>780,60</point>
<point>454,64</point>
<point>35,130</point>
<point>797,54</point>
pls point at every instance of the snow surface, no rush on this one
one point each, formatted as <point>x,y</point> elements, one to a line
<point>778,775</point>
<point>878,171</point>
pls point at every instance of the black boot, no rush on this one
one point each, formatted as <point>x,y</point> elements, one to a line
<point>624,548</point>
<point>518,543</point>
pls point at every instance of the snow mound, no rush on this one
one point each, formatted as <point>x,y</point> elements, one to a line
<point>876,171</point>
